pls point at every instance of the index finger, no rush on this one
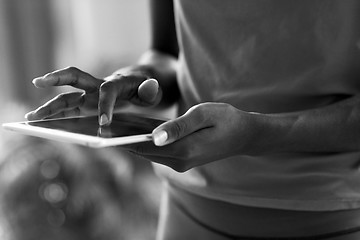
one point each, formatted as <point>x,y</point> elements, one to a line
<point>69,76</point>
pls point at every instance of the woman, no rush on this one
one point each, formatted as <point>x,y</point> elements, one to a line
<point>267,135</point>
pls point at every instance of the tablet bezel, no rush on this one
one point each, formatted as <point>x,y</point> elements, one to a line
<point>78,138</point>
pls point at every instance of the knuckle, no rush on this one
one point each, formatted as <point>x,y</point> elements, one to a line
<point>72,69</point>
<point>61,96</point>
<point>107,86</point>
<point>77,111</point>
<point>201,108</point>
<point>44,111</point>
<point>210,113</point>
<point>73,75</point>
<point>227,107</point>
<point>64,114</point>
<point>178,128</point>
<point>228,111</point>
<point>62,99</point>
<point>82,99</point>
<point>202,115</point>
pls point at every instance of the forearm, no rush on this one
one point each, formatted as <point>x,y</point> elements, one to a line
<point>162,27</point>
<point>334,128</point>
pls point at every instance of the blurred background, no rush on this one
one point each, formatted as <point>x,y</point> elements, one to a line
<point>57,191</point>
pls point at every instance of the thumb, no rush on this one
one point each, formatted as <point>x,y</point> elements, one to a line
<point>149,91</point>
<point>173,130</point>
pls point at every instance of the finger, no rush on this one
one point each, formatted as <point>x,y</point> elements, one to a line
<point>121,88</point>
<point>176,164</point>
<point>75,112</point>
<point>107,99</point>
<point>193,120</point>
<point>105,132</point>
<point>173,163</point>
<point>149,92</point>
<point>69,76</point>
<point>169,157</point>
<point>60,103</point>
<point>149,149</point>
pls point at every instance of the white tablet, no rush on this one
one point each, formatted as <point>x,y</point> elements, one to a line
<point>126,128</point>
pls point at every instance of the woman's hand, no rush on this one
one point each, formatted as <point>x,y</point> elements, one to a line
<point>134,84</point>
<point>205,133</point>
<point>98,96</point>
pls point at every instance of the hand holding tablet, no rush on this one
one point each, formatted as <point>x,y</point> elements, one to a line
<point>98,96</point>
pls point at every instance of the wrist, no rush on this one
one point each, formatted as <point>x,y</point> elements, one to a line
<point>152,64</point>
<point>269,136</point>
<point>156,59</point>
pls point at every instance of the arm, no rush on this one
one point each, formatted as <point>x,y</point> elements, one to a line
<point>213,131</point>
<point>334,128</point>
<point>160,60</point>
<point>164,47</point>
<point>163,33</point>
<point>130,84</point>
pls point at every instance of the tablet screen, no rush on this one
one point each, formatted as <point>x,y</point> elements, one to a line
<point>122,125</point>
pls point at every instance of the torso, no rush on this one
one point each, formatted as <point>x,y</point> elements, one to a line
<point>271,56</point>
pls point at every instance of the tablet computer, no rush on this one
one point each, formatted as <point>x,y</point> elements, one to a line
<point>126,128</point>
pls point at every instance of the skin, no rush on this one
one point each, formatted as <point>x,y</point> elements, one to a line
<point>207,132</point>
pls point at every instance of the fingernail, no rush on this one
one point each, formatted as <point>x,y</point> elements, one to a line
<point>35,81</point>
<point>103,119</point>
<point>160,138</point>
